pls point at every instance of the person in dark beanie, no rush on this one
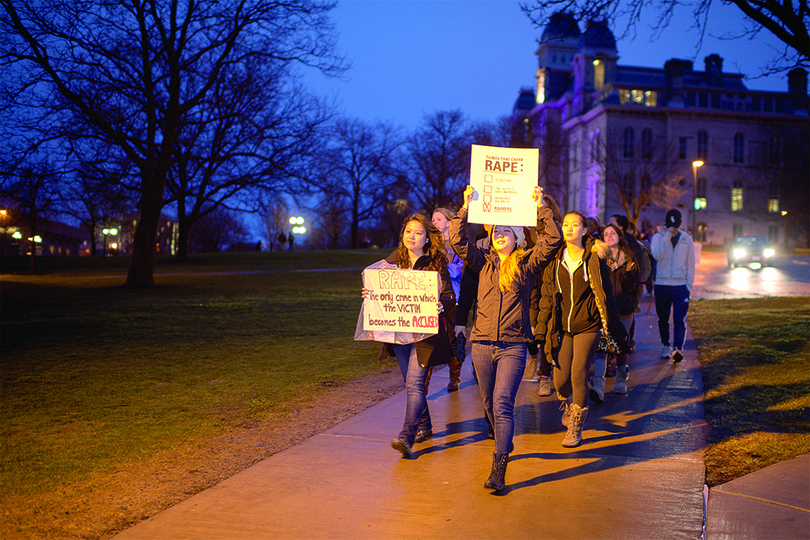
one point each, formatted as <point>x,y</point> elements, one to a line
<point>675,275</point>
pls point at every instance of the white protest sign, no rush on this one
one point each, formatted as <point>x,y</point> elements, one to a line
<point>504,180</point>
<point>401,301</point>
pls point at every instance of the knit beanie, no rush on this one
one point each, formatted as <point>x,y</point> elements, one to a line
<point>520,235</point>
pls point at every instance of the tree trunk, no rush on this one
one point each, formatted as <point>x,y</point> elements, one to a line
<point>183,227</point>
<point>142,266</point>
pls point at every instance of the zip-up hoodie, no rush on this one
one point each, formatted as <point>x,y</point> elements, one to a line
<point>504,316</point>
<point>676,266</point>
<point>580,303</point>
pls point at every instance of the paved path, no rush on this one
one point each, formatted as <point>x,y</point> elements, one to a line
<point>639,473</point>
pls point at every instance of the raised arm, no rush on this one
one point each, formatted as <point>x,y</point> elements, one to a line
<point>465,249</point>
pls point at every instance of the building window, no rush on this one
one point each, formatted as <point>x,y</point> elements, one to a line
<point>700,235</point>
<point>629,143</point>
<point>637,96</point>
<point>598,74</point>
<point>596,142</point>
<point>574,159</point>
<point>773,197</point>
<point>703,99</point>
<point>703,145</point>
<point>773,234</point>
<point>650,99</point>
<point>629,187</point>
<point>775,151</point>
<point>700,194</point>
<point>736,230</point>
<point>737,196</point>
<point>646,184</point>
<point>739,148</point>
<point>682,144</point>
<point>624,96</point>
<point>646,144</point>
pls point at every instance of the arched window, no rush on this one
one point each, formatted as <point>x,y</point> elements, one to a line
<point>775,151</point>
<point>701,232</point>
<point>739,148</point>
<point>598,74</point>
<point>646,144</point>
<point>737,196</point>
<point>629,143</point>
<point>629,187</point>
<point>646,184</point>
<point>703,145</point>
<point>773,197</point>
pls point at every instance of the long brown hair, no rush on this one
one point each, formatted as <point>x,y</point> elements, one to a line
<point>624,247</point>
<point>434,247</point>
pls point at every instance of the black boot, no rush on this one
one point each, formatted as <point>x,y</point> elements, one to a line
<point>497,478</point>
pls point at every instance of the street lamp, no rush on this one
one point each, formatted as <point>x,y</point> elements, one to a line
<point>298,228</point>
<point>695,204</point>
<point>111,232</point>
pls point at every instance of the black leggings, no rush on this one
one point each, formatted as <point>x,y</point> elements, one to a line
<point>575,359</point>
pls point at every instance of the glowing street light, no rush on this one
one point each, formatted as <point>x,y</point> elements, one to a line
<point>298,223</point>
<point>695,204</point>
<point>109,232</point>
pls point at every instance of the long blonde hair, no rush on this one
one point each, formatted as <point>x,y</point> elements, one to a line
<point>510,269</point>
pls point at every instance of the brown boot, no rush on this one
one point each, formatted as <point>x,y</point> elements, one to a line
<point>497,477</point>
<point>427,379</point>
<point>455,374</point>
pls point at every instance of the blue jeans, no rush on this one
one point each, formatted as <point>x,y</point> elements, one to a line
<point>499,366</point>
<point>417,415</point>
<point>675,298</point>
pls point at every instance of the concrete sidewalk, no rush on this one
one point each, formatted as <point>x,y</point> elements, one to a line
<point>638,474</point>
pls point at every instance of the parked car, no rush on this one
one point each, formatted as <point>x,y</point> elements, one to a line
<point>745,250</point>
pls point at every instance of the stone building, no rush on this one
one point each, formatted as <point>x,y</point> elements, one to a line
<point>640,140</point>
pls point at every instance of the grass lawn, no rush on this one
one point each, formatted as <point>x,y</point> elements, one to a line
<point>755,360</point>
<point>95,375</point>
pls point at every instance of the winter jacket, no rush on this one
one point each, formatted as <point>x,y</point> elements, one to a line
<point>641,256</point>
<point>583,305</point>
<point>676,266</point>
<point>626,285</point>
<point>504,316</point>
<point>434,350</point>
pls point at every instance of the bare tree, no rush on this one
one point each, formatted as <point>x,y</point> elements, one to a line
<point>639,177</point>
<point>34,193</point>
<point>788,21</point>
<point>275,215</point>
<point>135,74</point>
<point>356,169</point>
<point>439,160</point>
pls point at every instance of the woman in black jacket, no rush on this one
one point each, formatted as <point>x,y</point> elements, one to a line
<point>625,276</point>
<point>502,329</point>
<point>421,247</point>
<point>576,303</point>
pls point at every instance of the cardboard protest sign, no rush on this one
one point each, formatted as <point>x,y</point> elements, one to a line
<point>504,180</point>
<point>401,301</point>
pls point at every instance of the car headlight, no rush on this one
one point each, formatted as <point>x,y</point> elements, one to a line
<point>739,253</point>
<point>769,252</point>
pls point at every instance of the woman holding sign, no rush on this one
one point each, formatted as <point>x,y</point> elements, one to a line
<point>502,329</point>
<point>421,247</point>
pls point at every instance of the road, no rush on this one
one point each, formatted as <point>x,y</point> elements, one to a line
<point>790,276</point>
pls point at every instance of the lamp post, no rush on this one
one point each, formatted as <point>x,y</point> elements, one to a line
<point>298,227</point>
<point>111,232</point>
<point>695,164</point>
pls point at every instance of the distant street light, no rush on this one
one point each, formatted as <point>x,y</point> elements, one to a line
<point>695,204</point>
<point>299,228</point>
<point>109,232</point>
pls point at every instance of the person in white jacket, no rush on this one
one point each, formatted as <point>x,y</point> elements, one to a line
<point>675,253</point>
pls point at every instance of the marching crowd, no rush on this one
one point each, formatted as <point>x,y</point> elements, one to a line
<point>555,302</point>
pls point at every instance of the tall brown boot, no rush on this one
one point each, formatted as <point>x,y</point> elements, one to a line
<point>427,379</point>
<point>455,374</point>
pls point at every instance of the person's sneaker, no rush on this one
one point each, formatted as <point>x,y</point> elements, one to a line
<point>423,434</point>
<point>597,390</point>
<point>665,351</point>
<point>401,446</point>
<point>677,355</point>
<point>545,386</point>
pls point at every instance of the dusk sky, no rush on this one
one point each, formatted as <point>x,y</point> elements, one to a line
<point>415,57</point>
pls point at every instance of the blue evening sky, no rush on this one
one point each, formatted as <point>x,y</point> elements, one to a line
<point>415,57</point>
